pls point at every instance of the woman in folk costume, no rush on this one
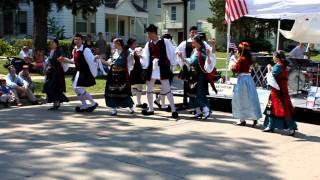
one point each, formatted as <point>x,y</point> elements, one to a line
<point>118,89</point>
<point>135,75</point>
<point>279,111</point>
<point>245,101</point>
<point>201,63</point>
<point>55,84</point>
<point>85,73</point>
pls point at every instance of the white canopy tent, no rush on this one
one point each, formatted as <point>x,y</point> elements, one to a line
<point>305,29</point>
<point>277,9</point>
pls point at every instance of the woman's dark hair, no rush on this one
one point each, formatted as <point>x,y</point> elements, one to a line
<point>281,55</point>
<point>56,41</point>
<point>119,40</point>
<point>245,52</point>
<point>199,40</point>
<point>131,41</point>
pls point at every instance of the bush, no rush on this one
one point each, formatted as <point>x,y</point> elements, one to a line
<point>258,45</point>
<point>6,48</point>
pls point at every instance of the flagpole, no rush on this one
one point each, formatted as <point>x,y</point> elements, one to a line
<point>278,34</point>
<point>228,46</point>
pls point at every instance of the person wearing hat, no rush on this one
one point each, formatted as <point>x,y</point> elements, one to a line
<point>85,73</point>
<point>55,84</point>
<point>245,101</point>
<point>25,75</point>
<point>279,111</point>
<point>157,59</point>
<point>6,95</point>
<point>19,87</point>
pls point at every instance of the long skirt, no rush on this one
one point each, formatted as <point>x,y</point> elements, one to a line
<point>118,90</point>
<point>54,88</point>
<point>245,100</point>
<point>279,123</point>
<point>198,94</point>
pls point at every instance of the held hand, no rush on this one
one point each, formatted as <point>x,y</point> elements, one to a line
<point>179,54</point>
<point>269,67</point>
<point>61,59</point>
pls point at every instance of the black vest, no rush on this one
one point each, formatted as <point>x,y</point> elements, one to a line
<point>86,79</point>
<point>189,49</point>
<point>164,62</point>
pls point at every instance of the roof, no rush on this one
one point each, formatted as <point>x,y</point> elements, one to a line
<point>172,2</point>
<point>138,8</point>
<point>113,4</point>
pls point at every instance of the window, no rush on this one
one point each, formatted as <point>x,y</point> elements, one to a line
<point>173,13</point>
<point>85,25</point>
<point>192,5</point>
<point>107,25</point>
<point>121,27</point>
<point>145,4</point>
<point>8,22</point>
<point>159,3</point>
<point>22,20</point>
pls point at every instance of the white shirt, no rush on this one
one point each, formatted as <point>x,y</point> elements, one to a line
<point>145,58</point>
<point>24,54</point>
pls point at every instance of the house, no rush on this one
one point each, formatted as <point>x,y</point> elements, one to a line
<point>168,15</point>
<point>17,22</point>
<point>120,18</point>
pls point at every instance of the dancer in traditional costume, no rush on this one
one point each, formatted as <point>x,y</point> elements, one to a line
<point>85,73</point>
<point>118,89</point>
<point>201,63</point>
<point>158,58</point>
<point>245,101</point>
<point>136,79</point>
<point>279,111</point>
<point>55,84</point>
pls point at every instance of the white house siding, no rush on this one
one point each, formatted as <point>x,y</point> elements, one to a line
<point>100,19</point>
<point>63,18</point>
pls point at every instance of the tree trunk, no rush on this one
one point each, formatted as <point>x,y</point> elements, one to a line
<point>40,28</point>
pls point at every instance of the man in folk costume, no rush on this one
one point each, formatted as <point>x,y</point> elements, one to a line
<point>85,73</point>
<point>157,59</point>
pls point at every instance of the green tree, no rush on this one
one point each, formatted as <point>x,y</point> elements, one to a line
<point>41,9</point>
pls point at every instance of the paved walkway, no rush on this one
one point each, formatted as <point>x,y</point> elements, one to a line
<point>41,144</point>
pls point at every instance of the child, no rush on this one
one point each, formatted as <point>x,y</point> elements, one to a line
<point>6,94</point>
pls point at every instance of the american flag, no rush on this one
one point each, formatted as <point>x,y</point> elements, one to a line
<point>235,9</point>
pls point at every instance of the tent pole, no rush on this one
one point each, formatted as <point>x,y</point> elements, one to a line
<point>228,46</point>
<point>278,34</point>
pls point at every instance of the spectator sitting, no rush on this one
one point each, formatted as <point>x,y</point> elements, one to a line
<point>19,87</point>
<point>25,75</point>
<point>26,54</point>
<point>6,95</point>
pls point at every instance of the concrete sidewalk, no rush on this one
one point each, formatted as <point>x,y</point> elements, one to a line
<point>41,144</point>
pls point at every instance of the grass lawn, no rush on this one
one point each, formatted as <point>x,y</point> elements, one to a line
<point>98,88</point>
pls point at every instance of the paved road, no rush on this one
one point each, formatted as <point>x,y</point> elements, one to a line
<point>40,144</point>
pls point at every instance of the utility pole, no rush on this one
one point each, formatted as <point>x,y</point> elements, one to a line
<point>185,19</point>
